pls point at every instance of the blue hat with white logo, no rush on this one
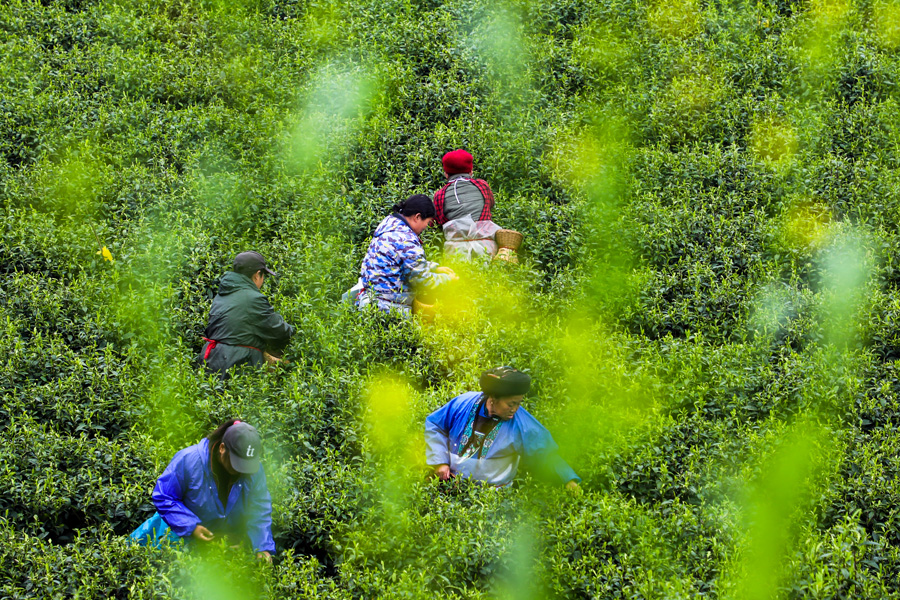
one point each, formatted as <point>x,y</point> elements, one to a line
<point>244,447</point>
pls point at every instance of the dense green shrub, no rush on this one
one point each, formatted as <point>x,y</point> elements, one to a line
<point>709,202</point>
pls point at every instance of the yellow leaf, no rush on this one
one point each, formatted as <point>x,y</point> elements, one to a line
<point>106,254</point>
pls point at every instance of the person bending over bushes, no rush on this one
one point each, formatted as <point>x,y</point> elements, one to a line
<point>243,328</point>
<point>463,209</point>
<point>213,490</point>
<point>394,268</point>
<point>483,435</point>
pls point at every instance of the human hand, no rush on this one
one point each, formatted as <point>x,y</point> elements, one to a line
<point>573,487</point>
<point>443,472</point>
<point>203,534</point>
<point>270,359</point>
<point>447,271</point>
<point>264,555</point>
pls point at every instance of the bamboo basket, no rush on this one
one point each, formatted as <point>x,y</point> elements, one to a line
<point>509,238</point>
<point>426,311</point>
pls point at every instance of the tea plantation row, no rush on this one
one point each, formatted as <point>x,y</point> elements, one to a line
<point>708,299</point>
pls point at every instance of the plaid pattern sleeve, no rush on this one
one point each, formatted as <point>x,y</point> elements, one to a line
<point>439,217</point>
<point>485,190</point>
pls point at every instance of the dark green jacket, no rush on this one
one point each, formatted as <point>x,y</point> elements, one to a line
<point>243,324</point>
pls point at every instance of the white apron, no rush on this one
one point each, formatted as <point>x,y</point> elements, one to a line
<point>465,238</point>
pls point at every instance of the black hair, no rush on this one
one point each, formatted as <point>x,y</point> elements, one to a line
<point>248,271</point>
<point>417,204</point>
<point>216,436</point>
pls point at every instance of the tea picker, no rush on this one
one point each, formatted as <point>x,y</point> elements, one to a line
<point>484,435</point>
<point>243,327</point>
<point>463,209</point>
<point>215,489</point>
<point>395,269</point>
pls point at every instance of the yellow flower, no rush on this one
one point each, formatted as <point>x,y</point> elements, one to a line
<point>106,254</point>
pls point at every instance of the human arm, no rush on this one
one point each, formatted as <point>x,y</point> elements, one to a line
<point>270,327</point>
<point>541,451</point>
<point>554,467</point>
<point>422,274</point>
<point>488,196</point>
<point>439,217</point>
<point>437,440</point>
<point>168,496</point>
<point>259,514</point>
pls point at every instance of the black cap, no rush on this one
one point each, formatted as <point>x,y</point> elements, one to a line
<point>244,447</point>
<point>505,381</point>
<point>251,262</point>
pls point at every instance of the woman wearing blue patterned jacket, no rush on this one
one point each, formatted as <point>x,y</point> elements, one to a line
<point>395,267</point>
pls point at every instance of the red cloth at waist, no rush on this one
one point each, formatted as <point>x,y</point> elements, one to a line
<point>213,343</point>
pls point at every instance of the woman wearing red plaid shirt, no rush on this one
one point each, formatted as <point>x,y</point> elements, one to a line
<point>463,208</point>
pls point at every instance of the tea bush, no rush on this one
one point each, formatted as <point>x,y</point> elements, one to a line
<point>706,297</point>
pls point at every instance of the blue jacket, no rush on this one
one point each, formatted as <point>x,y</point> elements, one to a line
<point>395,264</point>
<point>186,496</point>
<point>521,436</point>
